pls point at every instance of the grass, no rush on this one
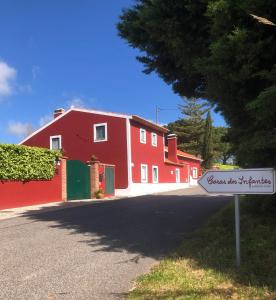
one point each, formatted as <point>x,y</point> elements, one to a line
<point>226,167</point>
<point>204,266</point>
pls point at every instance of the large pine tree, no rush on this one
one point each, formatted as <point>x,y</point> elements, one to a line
<point>190,128</point>
<point>215,49</point>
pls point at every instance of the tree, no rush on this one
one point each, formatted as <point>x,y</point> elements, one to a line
<point>207,149</point>
<point>214,49</point>
<point>222,150</point>
<point>190,128</point>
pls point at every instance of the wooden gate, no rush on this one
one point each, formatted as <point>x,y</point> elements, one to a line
<point>78,180</point>
<point>109,173</point>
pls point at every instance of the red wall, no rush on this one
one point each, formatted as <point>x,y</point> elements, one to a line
<point>76,129</point>
<point>16,194</point>
<point>191,163</point>
<point>152,156</point>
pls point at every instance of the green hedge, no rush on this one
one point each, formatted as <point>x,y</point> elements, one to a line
<point>26,163</point>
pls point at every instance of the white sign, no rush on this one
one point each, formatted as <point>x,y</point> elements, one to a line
<point>240,181</point>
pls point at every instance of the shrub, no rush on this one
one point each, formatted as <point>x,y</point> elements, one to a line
<point>18,162</point>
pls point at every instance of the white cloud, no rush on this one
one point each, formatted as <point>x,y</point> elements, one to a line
<point>77,103</point>
<point>7,77</point>
<point>45,119</point>
<point>20,129</point>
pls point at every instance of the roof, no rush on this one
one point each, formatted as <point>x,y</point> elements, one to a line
<point>149,124</point>
<point>184,154</point>
<point>169,162</point>
<point>111,114</point>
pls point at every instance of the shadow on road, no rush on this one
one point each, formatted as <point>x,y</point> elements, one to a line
<point>148,226</point>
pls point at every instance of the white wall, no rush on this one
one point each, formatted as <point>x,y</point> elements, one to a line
<point>137,189</point>
<point>193,181</point>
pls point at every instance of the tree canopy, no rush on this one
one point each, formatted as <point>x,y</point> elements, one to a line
<point>215,49</point>
<point>193,132</point>
<point>222,148</point>
<point>190,128</point>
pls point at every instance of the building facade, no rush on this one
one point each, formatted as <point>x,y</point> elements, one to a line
<point>143,164</point>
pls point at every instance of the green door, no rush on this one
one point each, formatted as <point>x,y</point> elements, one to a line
<point>109,180</point>
<point>78,180</point>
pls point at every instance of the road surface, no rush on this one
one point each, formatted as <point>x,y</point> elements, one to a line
<point>95,251</point>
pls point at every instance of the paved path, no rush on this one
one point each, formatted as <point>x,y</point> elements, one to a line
<point>95,251</point>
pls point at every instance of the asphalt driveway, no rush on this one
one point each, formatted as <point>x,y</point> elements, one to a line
<point>95,251</point>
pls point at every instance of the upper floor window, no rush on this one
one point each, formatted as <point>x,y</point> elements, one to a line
<point>143,136</point>
<point>55,142</point>
<point>100,132</point>
<point>154,139</point>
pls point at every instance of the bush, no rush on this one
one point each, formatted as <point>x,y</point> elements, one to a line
<point>18,162</point>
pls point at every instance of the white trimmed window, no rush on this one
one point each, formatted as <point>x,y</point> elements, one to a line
<point>100,132</point>
<point>143,136</point>
<point>177,175</point>
<point>144,173</point>
<point>194,172</point>
<point>154,139</point>
<point>55,142</point>
<point>154,174</point>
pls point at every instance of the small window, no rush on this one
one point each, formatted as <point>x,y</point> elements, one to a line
<point>154,174</point>
<point>154,139</point>
<point>143,136</point>
<point>100,132</point>
<point>194,172</point>
<point>144,173</point>
<point>55,142</point>
<point>177,175</point>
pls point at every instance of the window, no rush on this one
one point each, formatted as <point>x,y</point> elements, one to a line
<point>194,172</point>
<point>144,173</point>
<point>100,132</point>
<point>177,175</point>
<point>154,174</point>
<point>154,139</point>
<point>55,142</point>
<point>143,136</point>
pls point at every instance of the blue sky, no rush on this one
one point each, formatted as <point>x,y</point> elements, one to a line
<point>59,53</point>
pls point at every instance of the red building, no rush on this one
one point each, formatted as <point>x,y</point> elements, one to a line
<point>143,164</point>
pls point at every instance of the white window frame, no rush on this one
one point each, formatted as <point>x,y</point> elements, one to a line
<point>155,181</point>
<point>55,137</point>
<point>144,180</point>
<point>145,132</point>
<point>194,172</point>
<point>177,176</point>
<point>153,134</point>
<point>105,132</point>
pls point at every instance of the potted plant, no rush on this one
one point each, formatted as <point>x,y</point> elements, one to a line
<point>99,194</point>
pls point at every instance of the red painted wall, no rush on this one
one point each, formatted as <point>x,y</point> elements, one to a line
<point>152,156</point>
<point>191,163</point>
<point>17,194</point>
<point>76,129</point>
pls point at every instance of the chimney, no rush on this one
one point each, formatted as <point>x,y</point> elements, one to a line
<point>172,147</point>
<point>58,112</point>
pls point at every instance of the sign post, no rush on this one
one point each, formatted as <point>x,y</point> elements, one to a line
<point>239,182</point>
<point>237,230</point>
